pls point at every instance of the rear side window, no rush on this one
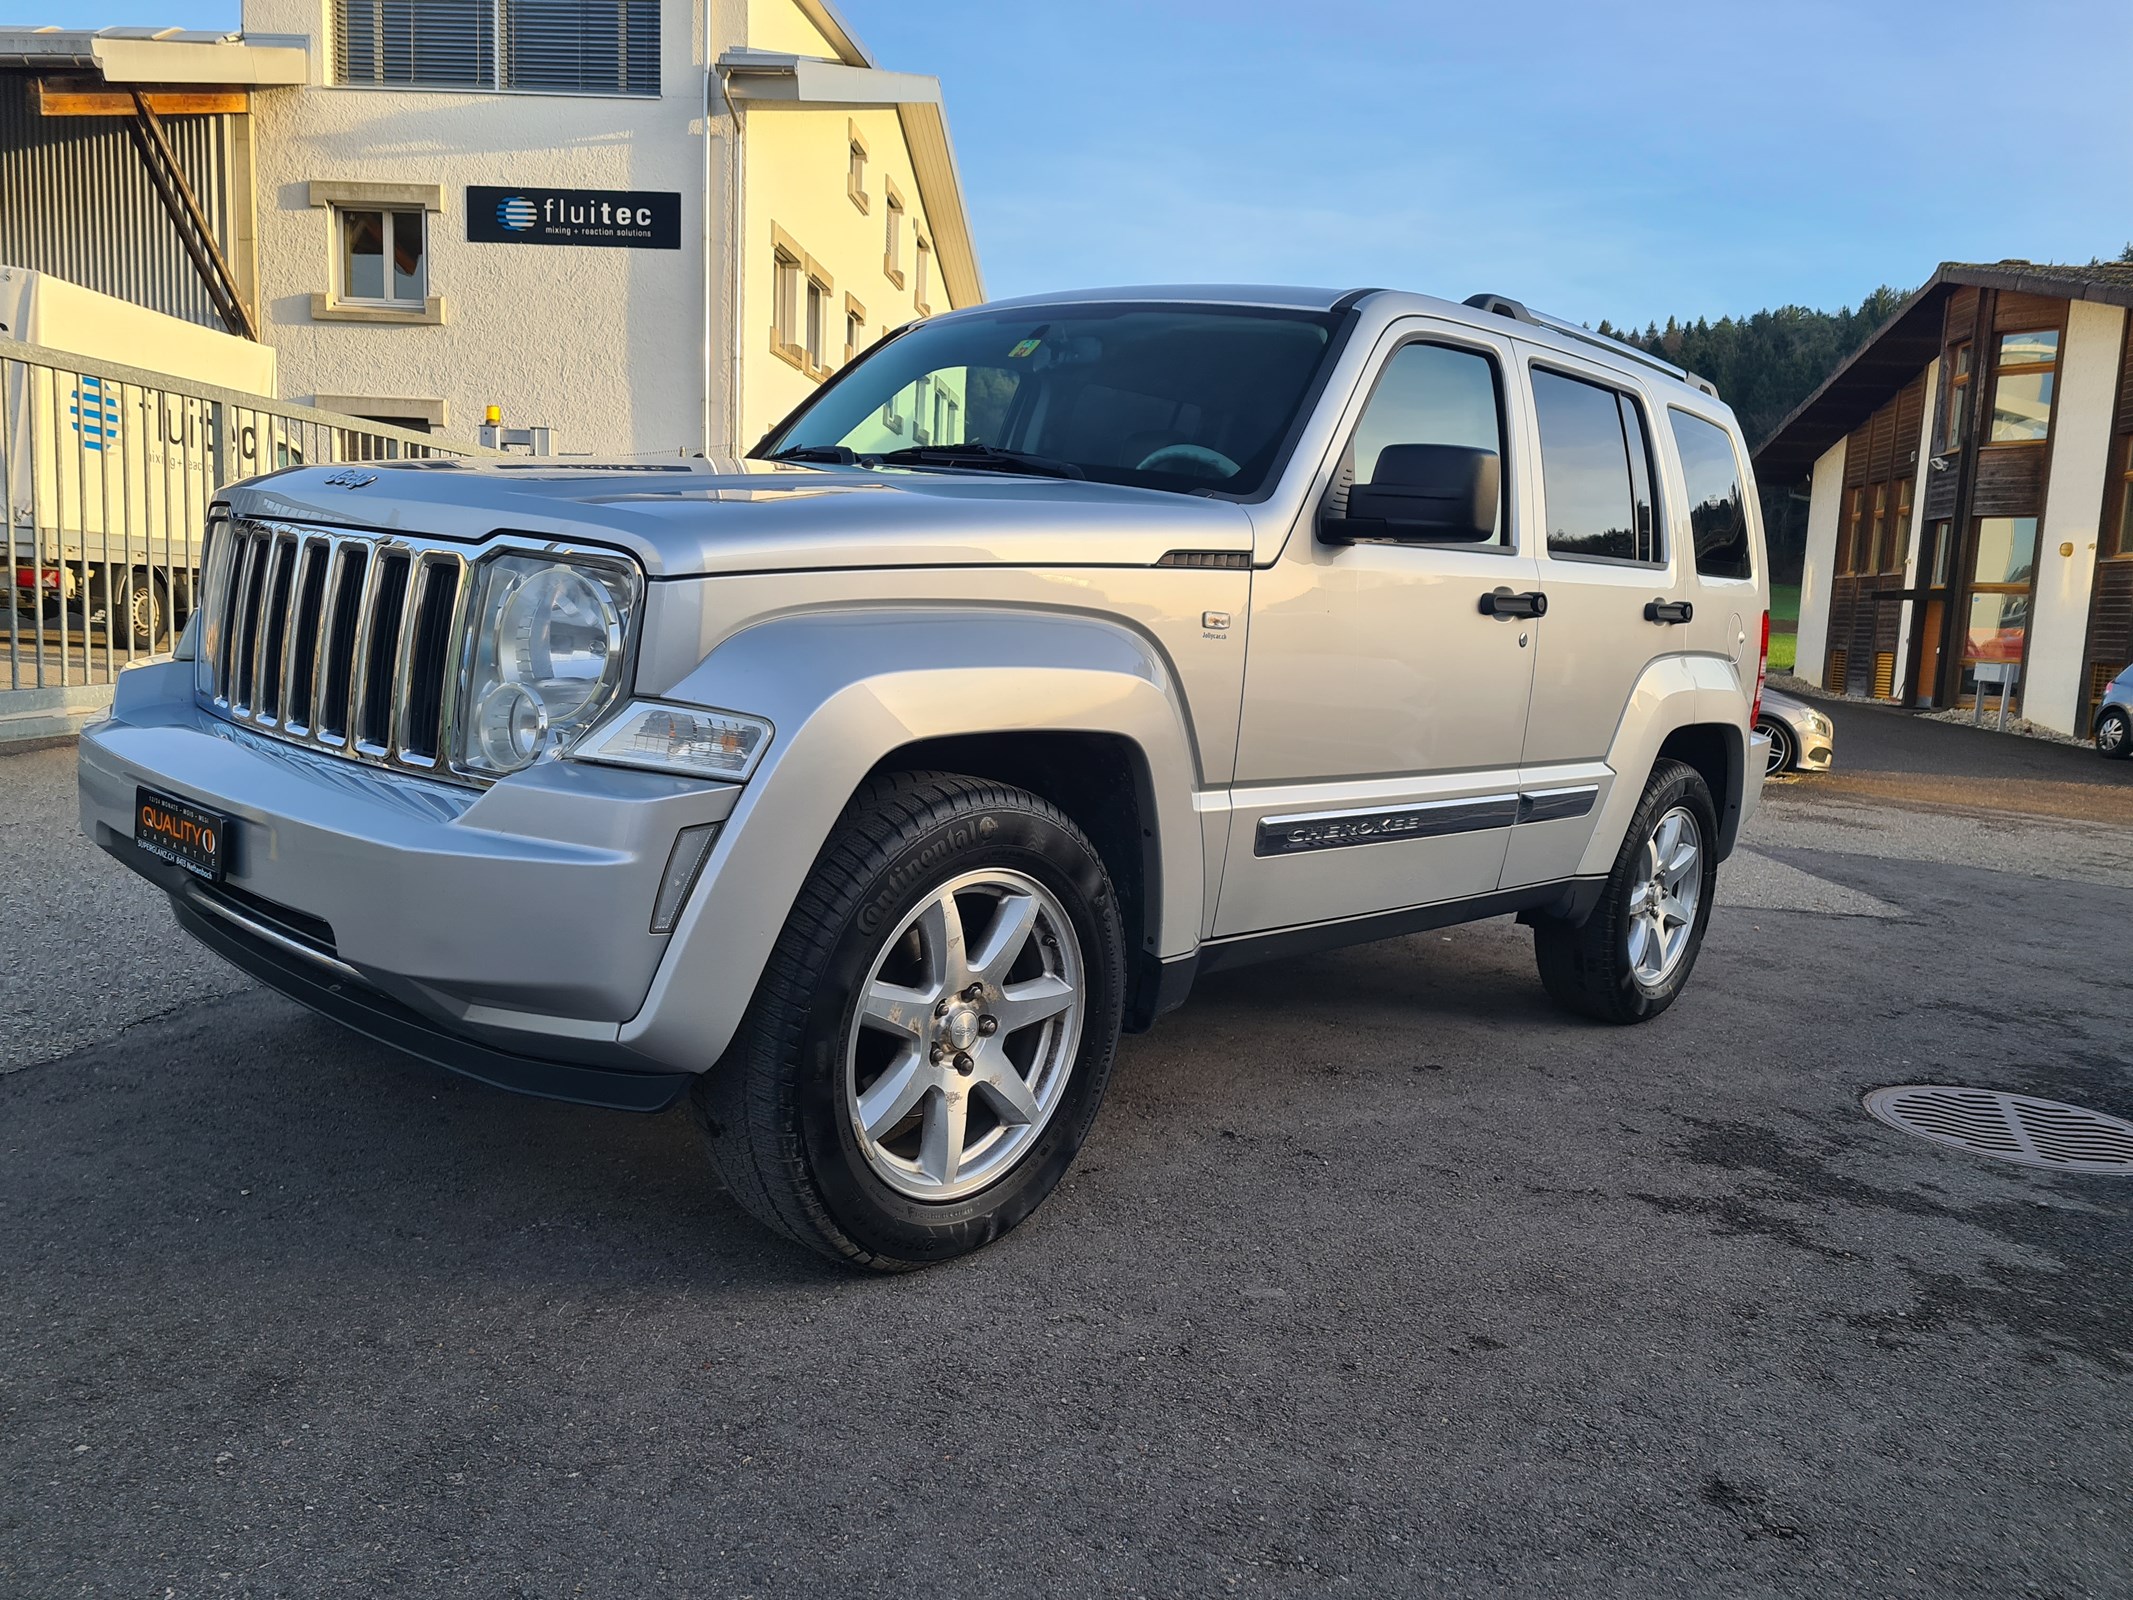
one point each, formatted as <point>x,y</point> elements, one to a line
<point>1718,515</point>
<point>1596,471</point>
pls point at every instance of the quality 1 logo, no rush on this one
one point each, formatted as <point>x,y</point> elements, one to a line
<point>517,213</point>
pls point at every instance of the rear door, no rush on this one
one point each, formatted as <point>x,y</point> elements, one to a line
<point>1615,590</point>
<point>1384,712</point>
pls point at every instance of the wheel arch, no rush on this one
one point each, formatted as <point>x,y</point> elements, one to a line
<point>1688,709</point>
<point>1081,710</point>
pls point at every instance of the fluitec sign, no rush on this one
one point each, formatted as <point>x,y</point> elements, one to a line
<point>625,219</point>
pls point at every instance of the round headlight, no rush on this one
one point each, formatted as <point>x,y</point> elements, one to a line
<point>554,637</point>
<point>510,723</point>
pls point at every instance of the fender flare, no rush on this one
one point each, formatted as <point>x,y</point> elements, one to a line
<point>843,690</point>
<point>1674,693</point>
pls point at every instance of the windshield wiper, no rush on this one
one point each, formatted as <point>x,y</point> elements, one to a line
<point>986,457</point>
<point>836,455</point>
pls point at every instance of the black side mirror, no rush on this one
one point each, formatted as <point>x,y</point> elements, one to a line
<point>1434,493</point>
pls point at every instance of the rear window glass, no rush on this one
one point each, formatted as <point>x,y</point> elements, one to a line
<point>1596,471</point>
<point>1717,509</point>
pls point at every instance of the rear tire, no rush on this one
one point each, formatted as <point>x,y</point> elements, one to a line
<point>901,1091</point>
<point>1629,959</point>
<point>2114,734</point>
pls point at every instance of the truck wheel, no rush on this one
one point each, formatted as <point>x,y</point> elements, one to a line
<point>1630,958</point>
<point>932,1035</point>
<point>137,609</point>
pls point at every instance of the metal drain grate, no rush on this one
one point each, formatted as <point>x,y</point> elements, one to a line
<point>2012,1127</point>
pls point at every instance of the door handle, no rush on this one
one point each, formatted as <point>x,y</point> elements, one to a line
<point>1506,603</point>
<point>1668,611</point>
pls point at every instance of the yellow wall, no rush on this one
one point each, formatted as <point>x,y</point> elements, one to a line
<point>795,162</point>
<point>781,25</point>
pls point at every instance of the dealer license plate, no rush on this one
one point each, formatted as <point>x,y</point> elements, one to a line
<point>182,833</point>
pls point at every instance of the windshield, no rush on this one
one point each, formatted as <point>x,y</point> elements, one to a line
<point>1162,397</point>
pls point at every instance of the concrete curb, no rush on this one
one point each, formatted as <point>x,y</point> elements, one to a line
<point>48,714</point>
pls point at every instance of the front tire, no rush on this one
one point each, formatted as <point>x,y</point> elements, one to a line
<point>2114,734</point>
<point>1633,955</point>
<point>1781,747</point>
<point>934,1031</point>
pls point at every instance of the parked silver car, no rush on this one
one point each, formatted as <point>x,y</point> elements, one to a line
<point>2114,718</point>
<point>1801,738</point>
<point>1051,655</point>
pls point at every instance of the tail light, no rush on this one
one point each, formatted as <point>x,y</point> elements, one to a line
<point>1762,671</point>
<point>30,577</point>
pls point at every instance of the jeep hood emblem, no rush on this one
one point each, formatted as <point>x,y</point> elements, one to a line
<point>351,479</point>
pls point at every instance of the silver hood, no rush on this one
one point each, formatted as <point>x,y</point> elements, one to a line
<point>687,518</point>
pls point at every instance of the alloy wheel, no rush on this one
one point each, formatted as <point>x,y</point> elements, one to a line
<point>1780,747</point>
<point>1663,904</point>
<point>966,1033</point>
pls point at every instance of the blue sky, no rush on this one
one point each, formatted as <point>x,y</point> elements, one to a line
<point>1594,159</point>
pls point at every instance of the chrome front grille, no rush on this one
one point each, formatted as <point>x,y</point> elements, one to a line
<point>343,642</point>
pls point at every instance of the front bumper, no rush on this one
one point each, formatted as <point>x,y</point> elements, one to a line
<point>1813,751</point>
<point>513,920</point>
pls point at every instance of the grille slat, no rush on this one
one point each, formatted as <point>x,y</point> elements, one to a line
<point>341,642</point>
<point>274,619</point>
<point>303,635</point>
<point>430,632</point>
<point>384,653</point>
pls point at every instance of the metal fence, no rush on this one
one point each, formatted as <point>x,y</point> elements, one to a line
<point>108,472</point>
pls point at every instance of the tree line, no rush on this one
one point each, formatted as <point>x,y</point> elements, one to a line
<point>1766,364</point>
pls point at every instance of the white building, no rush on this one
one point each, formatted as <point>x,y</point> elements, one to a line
<point>650,226</point>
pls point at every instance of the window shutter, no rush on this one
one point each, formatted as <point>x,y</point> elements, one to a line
<point>561,46</point>
<point>595,46</point>
<point>440,42</point>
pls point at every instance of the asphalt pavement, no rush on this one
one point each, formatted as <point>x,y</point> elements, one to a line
<point>1377,1276</point>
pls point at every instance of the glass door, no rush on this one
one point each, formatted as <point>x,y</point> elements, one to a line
<point>1935,556</point>
<point>1997,627</point>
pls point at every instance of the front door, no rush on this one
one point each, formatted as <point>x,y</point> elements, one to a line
<point>1384,712</point>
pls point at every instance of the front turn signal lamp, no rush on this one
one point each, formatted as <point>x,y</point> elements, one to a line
<point>687,740</point>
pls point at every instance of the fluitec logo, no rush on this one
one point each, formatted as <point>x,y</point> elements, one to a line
<point>614,219</point>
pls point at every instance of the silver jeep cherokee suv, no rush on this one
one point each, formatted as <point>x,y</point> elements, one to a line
<point>1054,652</point>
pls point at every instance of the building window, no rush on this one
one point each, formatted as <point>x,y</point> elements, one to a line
<point>855,175</point>
<point>553,46</point>
<point>892,260</point>
<point>2120,543</point>
<point>382,257</point>
<point>921,412</point>
<point>818,294</point>
<point>1848,533</point>
<point>1899,530</point>
<point>855,327</point>
<point>2022,382</point>
<point>1943,534</point>
<point>920,276</point>
<point>1877,554</point>
<point>1958,397</point>
<point>800,306</point>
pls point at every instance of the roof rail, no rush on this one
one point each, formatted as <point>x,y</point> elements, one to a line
<point>1504,306</point>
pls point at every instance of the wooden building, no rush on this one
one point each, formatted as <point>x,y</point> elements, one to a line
<point>1970,472</point>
